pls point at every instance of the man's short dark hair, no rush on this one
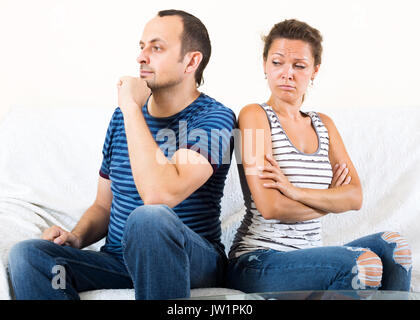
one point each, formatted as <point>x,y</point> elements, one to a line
<point>194,38</point>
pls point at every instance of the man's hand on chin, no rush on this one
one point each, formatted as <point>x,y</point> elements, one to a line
<point>132,93</point>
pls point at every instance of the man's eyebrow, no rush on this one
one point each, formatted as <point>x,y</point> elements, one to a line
<point>153,40</point>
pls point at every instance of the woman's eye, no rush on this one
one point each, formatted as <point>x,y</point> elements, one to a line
<point>156,48</point>
<point>300,66</point>
<point>276,63</point>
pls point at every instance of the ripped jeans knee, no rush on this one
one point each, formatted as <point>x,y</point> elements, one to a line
<point>402,252</point>
<point>368,270</point>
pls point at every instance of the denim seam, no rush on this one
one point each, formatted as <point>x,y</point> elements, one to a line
<point>91,266</point>
<point>289,267</point>
<point>264,252</point>
<point>123,246</point>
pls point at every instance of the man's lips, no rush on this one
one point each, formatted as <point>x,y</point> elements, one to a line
<point>145,72</point>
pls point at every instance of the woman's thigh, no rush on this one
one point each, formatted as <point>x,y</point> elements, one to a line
<point>322,268</point>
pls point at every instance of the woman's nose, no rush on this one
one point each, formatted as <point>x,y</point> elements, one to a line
<point>287,72</point>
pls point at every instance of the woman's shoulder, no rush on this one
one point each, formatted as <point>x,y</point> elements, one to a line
<point>253,114</point>
<point>328,123</point>
<point>252,109</point>
<point>326,120</point>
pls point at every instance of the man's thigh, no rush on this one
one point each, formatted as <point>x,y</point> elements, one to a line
<point>85,269</point>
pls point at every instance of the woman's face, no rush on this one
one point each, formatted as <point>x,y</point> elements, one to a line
<point>290,68</point>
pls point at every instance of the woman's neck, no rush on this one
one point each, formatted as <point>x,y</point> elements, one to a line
<point>285,109</point>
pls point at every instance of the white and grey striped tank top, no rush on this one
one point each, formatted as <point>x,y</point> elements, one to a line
<point>303,170</point>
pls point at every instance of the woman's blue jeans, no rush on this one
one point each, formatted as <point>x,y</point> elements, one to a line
<point>379,261</point>
<point>162,259</point>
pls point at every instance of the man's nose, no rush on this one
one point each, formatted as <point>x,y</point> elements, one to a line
<point>143,57</point>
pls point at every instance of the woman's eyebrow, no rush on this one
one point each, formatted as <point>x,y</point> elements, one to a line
<point>282,55</point>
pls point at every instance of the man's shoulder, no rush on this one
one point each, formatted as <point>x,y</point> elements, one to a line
<point>208,107</point>
<point>117,114</point>
<point>215,104</point>
<point>116,118</point>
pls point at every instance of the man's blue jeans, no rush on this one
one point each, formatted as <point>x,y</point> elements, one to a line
<point>162,259</point>
<point>378,261</point>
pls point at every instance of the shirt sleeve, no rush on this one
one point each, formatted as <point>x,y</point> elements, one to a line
<point>106,150</point>
<point>212,137</point>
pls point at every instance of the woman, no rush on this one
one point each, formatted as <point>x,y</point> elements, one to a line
<point>306,174</point>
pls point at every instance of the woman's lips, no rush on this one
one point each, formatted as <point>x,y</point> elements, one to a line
<point>285,87</point>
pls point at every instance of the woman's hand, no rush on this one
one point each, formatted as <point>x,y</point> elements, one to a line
<point>340,176</point>
<point>280,181</point>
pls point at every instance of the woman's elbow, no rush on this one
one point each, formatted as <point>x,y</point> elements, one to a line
<point>266,210</point>
<point>266,213</point>
<point>273,212</point>
<point>357,202</point>
<point>352,202</point>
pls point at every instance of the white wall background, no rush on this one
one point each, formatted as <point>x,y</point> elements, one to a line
<point>71,53</point>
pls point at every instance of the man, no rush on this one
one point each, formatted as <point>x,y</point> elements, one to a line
<point>159,190</point>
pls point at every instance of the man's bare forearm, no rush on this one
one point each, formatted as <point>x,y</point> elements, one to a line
<point>92,226</point>
<point>153,173</point>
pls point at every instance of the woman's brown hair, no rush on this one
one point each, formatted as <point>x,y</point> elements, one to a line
<point>293,29</point>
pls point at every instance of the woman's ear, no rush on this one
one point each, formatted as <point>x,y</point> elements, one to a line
<point>193,61</point>
<point>264,65</point>
<point>316,70</point>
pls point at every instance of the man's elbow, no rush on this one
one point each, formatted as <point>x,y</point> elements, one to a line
<point>154,198</point>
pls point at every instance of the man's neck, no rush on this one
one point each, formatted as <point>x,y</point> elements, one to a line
<point>169,101</point>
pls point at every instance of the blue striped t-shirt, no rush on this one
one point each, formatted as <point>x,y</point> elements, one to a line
<point>204,126</point>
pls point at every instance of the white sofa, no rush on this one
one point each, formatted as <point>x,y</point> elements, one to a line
<point>50,158</point>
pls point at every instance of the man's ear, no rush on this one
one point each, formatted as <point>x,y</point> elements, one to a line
<point>193,60</point>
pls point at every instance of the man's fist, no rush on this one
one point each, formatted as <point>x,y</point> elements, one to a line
<point>132,92</point>
<point>61,237</point>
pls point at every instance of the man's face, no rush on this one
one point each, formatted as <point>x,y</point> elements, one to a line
<point>161,65</point>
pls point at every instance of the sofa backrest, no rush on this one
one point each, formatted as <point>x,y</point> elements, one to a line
<point>51,157</point>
